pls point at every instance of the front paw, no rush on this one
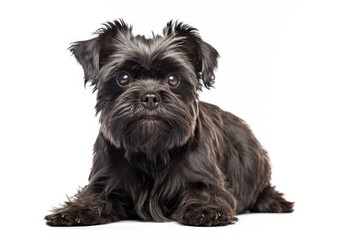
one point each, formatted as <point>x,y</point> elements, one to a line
<point>208,216</point>
<point>64,218</point>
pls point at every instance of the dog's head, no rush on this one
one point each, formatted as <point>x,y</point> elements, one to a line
<point>147,87</point>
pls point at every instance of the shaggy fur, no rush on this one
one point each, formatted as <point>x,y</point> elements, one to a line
<point>182,159</point>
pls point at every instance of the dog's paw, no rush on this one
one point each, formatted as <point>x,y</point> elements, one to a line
<point>272,201</point>
<point>64,218</point>
<point>209,217</point>
<point>281,207</point>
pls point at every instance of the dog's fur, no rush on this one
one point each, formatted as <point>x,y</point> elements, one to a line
<point>184,160</point>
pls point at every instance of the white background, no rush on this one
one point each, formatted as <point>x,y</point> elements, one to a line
<point>289,68</point>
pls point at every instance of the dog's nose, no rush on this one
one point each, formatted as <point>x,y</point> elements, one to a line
<point>150,100</point>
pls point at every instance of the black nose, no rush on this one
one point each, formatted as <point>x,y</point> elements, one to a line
<point>150,100</point>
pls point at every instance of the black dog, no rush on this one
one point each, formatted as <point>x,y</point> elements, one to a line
<point>161,154</point>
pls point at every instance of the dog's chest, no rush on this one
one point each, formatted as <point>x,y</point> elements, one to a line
<point>154,189</point>
<point>155,197</point>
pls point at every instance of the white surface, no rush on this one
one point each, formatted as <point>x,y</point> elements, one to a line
<point>289,68</point>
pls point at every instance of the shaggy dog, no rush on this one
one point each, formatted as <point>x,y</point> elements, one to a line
<point>161,154</point>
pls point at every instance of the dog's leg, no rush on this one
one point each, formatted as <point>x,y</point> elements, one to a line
<point>86,208</point>
<point>204,206</point>
<point>272,201</point>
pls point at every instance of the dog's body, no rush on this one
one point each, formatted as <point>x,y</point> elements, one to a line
<point>161,153</point>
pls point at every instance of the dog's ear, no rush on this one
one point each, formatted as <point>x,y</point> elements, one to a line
<point>94,53</point>
<point>201,54</point>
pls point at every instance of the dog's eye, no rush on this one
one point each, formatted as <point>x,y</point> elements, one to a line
<point>173,80</point>
<point>123,78</point>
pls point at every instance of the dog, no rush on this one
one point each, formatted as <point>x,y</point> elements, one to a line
<point>161,153</point>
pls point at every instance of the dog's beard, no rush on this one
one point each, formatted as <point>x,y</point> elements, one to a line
<point>127,124</point>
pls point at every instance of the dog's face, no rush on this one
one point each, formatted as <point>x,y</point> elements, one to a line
<point>147,87</point>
